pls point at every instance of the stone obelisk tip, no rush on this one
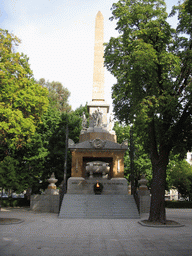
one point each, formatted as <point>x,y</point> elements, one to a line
<point>99,14</point>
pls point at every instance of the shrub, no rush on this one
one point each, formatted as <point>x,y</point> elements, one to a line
<point>14,202</point>
<point>178,204</point>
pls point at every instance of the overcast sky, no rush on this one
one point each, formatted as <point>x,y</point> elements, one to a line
<point>58,38</point>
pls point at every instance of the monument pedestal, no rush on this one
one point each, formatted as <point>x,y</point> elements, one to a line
<point>97,150</point>
<point>114,186</point>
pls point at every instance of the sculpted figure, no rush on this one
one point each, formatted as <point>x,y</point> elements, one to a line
<point>84,122</point>
<point>97,118</point>
<point>100,117</point>
<point>110,126</point>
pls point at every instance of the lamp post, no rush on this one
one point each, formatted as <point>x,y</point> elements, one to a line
<point>63,185</point>
<point>131,154</point>
<point>65,163</point>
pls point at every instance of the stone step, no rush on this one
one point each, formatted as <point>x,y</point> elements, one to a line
<point>98,206</point>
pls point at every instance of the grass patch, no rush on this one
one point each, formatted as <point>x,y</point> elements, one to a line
<point>178,204</point>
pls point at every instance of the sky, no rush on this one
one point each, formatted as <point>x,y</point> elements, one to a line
<point>58,38</point>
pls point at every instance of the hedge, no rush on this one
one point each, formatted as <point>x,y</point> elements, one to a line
<point>13,202</point>
<point>178,204</point>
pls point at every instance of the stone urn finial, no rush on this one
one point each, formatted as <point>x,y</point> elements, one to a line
<point>52,180</point>
<point>143,183</point>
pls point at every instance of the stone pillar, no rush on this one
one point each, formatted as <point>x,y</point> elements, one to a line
<point>98,70</point>
<point>144,196</point>
<point>98,100</point>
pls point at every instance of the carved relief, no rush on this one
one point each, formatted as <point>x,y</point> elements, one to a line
<point>98,143</point>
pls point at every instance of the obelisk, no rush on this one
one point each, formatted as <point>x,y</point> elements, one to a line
<point>98,69</point>
<point>98,100</point>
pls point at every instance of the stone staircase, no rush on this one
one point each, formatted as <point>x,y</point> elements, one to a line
<point>76,206</point>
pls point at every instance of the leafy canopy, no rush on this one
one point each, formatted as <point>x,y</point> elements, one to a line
<point>142,163</point>
<point>58,95</point>
<point>22,100</point>
<point>152,64</point>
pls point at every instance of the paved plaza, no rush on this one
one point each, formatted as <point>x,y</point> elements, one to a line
<point>45,234</point>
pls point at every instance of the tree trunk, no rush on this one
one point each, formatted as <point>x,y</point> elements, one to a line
<point>157,209</point>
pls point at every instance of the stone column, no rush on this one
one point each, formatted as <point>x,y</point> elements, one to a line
<point>98,100</point>
<point>144,196</point>
<point>98,69</point>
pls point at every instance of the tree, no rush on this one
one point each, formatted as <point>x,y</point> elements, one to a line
<point>22,100</point>
<point>32,164</point>
<point>33,157</point>
<point>45,153</point>
<point>56,147</point>
<point>141,160</point>
<point>58,95</point>
<point>180,176</point>
<point>22,104</point>
<point>8,173</point>
<point>152,64</point>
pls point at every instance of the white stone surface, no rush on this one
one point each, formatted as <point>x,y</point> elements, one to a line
<point>45,203</point>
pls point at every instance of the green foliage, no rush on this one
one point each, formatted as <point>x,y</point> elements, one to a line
<point>180,176</point>
<point>33,156</point>
<point>179,172</point>
<point>153,72</point>
<point>58,95</point>
<point>22,100</point>
<point>22,104</point>
<point>31,165</point>
<point>152,64</point>
<point>178,204</point>
<point>8,173</point>
<point>15,202</point>
<point>142,163</point>
<point>51,136</point>
<point>33,118</point>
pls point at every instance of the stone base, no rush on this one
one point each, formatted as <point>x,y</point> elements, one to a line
<point>145,200</point>
<point>114,186</point>
<point>97,133</point>
<point>45,203</point>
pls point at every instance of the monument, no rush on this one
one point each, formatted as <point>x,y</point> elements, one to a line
<point>97,160</point>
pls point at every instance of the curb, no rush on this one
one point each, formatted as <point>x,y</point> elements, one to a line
<point>176,225</point>
<point>10,221</point>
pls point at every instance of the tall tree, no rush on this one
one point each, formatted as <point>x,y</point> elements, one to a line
<point>58,95</point>
<point>22,104</point>
<point>22,100</point>
<point>153,67</point>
